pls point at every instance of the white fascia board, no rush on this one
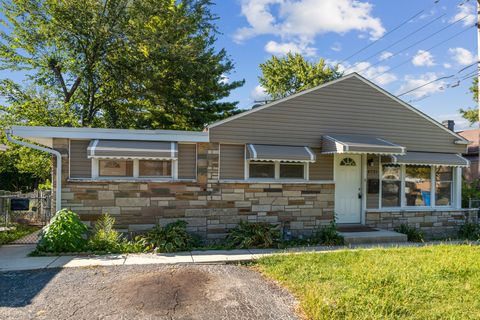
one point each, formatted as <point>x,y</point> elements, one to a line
<point>109,134</point>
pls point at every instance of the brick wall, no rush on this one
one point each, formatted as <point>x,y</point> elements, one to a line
<point>435,223</point>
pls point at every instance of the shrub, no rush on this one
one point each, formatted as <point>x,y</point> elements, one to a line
<point>253,235</point>
<point>328,235</point>
<point>64,233</point>
<point>105,237</point>
<point>470,190</point>
<point>413,234</point>
<point>470,231</point>
<point>173,237</point>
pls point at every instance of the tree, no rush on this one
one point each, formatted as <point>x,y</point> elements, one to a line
<point>122,63</point>
<point>284,76</point>
<point>108,63</point>
<point>471,114</point>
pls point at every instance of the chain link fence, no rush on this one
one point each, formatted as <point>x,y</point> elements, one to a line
<point>27,209</point>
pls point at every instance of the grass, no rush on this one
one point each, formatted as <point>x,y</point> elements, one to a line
<point>17,233</point>
<point>437,282</point>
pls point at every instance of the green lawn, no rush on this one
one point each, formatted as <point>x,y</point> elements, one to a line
<point>19,232</point>
<point>440,282</point>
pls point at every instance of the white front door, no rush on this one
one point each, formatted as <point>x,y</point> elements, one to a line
<point>348,178</point>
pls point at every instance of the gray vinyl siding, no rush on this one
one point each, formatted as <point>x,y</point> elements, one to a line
<point>187,161</point>
<point>322,168</point>
<point>80,165</point>
<point>349,106</point>
<point>232,161</point>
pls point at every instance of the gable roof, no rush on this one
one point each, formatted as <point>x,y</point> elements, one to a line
<point>351,75</point>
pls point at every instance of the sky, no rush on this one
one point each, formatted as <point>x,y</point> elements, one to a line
<point>407,44</point>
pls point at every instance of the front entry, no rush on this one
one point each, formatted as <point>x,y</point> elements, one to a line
<point>348,178</point>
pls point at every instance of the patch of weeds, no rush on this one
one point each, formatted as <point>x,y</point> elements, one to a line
<point>328,235</point>
<point>18,231</point>
<point>413,234</point>
<point>470,231</point>
<point>173,237</point>
<point>253,235</point>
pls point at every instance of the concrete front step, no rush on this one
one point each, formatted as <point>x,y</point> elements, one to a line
<point>378,236</point>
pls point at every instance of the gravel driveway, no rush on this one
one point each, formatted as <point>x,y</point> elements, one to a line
<point>143,292</point>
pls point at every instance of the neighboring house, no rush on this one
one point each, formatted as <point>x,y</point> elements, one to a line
<point>346,150</point>
<point>471,173</point>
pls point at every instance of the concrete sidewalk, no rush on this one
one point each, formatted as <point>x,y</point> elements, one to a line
<point>15,257</point>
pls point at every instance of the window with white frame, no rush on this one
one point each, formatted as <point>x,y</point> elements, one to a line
<point>134,168</point>
<point>416,186</point>
<point>277,170</point>
<point>443,186</point>
<point>391,185</point>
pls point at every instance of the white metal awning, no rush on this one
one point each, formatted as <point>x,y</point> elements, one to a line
<point>125,149</point>
<point>343,143</point>
<point>431,158</point>
<point>263,152</point>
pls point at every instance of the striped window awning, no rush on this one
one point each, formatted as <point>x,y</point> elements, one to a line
<point>430,158</point>
<point>129,149</point>
<point>342,143</point>
<point>263,152</point>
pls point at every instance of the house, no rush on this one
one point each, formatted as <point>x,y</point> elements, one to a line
<point>345,150</point>
<point>3,147</point>
<point>471,173</point>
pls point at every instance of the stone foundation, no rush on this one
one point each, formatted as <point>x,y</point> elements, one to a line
<point>434,224</point>
<point>300,208</point>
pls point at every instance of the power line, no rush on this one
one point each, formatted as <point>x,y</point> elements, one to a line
<point>420,41</point>
<point>437,79</point>
<point>382,37</point>
<point>428,49</point>
<point>398,41</point>
<point>391,31</point>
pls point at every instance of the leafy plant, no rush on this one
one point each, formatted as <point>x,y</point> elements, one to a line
<point>173,237</point>
<point>470,231</point>
<point>64,233</point>
<point>328,235</point>
<point>470,190</point>
<point>413,234</point>
<point>105,237</point>
<point>253,235</point>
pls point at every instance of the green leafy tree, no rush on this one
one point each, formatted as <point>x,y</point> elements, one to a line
<point>287,75</point>
<point>123,63</point>
<point>120,64</point>
<point>471,114</point>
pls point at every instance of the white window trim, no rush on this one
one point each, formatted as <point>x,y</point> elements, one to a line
<point>136,171</point>
<point>455,197</point>
<point>276,177</point>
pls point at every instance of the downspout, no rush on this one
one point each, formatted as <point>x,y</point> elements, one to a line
<point>58,191</point>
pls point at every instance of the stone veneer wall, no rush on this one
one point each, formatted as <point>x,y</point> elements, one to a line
<point>209,206</point>
<point>435,223</point>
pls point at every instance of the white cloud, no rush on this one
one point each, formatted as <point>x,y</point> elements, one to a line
<point>468,11</point>
<point>385,55</point>
<point>447,65</point>
<point>462,56</point>
<point>412,82</point>
<point>276,48</point>
<point>377,74</point>
<point>336,47</point>
<point>301,21</point>
<point>224,79</point>
<point>423,59</point>
<point>259,94</point>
